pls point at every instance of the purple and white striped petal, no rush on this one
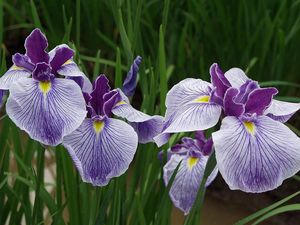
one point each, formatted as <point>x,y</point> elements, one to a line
<point>14,74</point>
<point>185,186</point>
<point>146,126</point>
<point>256,156</point>
<point>70,69</point>
<point>236,77</point>
<point>189,107</point>
<point>282,111</point>
<point>83,82</point>
<point>47,111</point>
<point>102,149</point>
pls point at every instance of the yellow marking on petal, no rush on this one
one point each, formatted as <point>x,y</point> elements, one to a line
<point>191,162</point>
<point>121,103</point>
<point>68,62</point>
<point>250,127</point>
<point>98,126</point>
<point>202,99</point>
<point>14,67</point>
<point>45,86</point>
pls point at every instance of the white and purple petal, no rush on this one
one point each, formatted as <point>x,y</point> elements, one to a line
<point>185,186</point>
<point>47,111</point>
<point>236,77</point>
<point>282,111</point>
<point>189,107</point>
<point>102,151</point>
<point>256,156</point>
<point>14,74</point>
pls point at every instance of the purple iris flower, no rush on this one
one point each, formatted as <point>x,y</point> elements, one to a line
<point>45,106</point>
<point>193,155</point>
<point>2,93</point>
<point>103,147</point>
<point>255,151</point>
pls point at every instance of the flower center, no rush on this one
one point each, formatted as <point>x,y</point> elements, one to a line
<point>45,86</point>
<point>203,99</point>
<point>14,67</point>
<point>121,103</point>
<point>67,62</point>
<point>191,162</point>
<point>98,126</point>
<point>250,127</point>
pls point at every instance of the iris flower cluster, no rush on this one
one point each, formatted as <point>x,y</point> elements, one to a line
<point>52,100</point>
<point>55,103</point>
<point>254,150</point>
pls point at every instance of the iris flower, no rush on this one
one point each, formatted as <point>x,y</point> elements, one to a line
<point>103,147</point>
<point>255,151</point>
<point>193,155</point>
<point>45,106</point>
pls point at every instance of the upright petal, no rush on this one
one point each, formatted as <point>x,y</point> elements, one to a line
<point>35,45</point>
<point>256,156</point>
<point>101,87</point>
<point>218,80</point>
<point>14,74</point>
<point>102,151</point>
<point>47,111</point>
<point>189,107</point>
<point>129,84</point>
<point>282,111</point>
<point>185,186</point>
<point>2,93</point>
<point>236,77</point>
<point>259,100</point>
<point>61,56</point>
<point>231,107</point>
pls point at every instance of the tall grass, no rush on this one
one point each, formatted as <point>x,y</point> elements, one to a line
<point>177,39</point>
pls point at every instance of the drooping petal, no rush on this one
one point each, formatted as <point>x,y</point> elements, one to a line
<point>70,69</point>
<point>102,151</point>
<point>189,107</point>
<point>147,130</point>
<point>129,84</point>
<point>35,45</point>
<point>13,75</point>
<point>185,186</point>
<point>259,100</point>
<point>161,139</point>
<point>231,107</point>
<point>282,111</point>
<point>61,56</point>
<point>47,111</point>
<point>146,126</point>
<point>236,77</point>
<point>218,80</point>
<point>256,156</point>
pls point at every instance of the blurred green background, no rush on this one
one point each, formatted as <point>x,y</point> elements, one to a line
<point>177,39</point>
